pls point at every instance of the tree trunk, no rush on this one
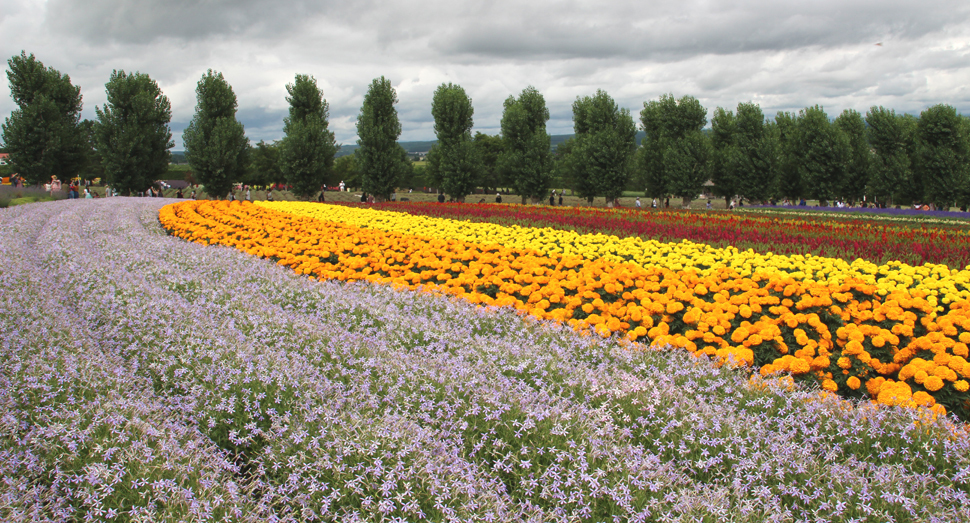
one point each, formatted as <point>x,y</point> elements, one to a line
<point>686,202</point>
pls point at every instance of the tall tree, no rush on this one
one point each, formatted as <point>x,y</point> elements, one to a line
<point>825,154</point>
<point>724,168</point>
<point>674,126</point>
<point>215,142</point>
<point>891,137</point>
<point>788,156</point>
<point>308,147</point>
<point>383,163</point>
<point>131,133</point>
<point>604,146</point>
<point>43,135</point>
<point>859,166</point>
<point>526,159</point>
<point>454,159</point>
<point>943,153</point>
<point>755,154</point>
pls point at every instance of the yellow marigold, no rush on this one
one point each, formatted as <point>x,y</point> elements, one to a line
<point>923,399</point>
<point>920,376</point>
<point>961,386</point>
<point>853,383</point>
<point>874,385</point>
<point>852,348</point>
<point>800,366</point>
<point>739,335</point>
<point>830,385</point>
<point>933,383</point>
<point>844,362</point>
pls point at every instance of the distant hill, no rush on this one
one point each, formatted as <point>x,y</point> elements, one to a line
<point>417,147</point>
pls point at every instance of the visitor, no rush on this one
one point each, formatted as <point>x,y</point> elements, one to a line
<point>498,197</point>
<point>441,198</point>
<point>560,197</point>
<point>87,194</point>
<point>552,198</point>
<point>638,202</point>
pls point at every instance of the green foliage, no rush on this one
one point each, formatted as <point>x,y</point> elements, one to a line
<point>43,135</point>
<point>264,167</point>
<point>382,162</point>
<point>788,156</point>
<point>454,160</point>
<point>824,154</point>
<point>943,156</point>
<point>307,150</point>
<point>755,150</point>
<point>891,137</point>
<point>724,169</point>
<point>526,161</point>
<point>859,166</point>
<point>131,134</point>
<point>346,169</point>
<point>489,150</point>
<point>599,161</point>
<point>215,142</point>
<point>674,127</point>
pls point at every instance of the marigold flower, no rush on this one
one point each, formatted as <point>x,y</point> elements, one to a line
<point>933,383</point>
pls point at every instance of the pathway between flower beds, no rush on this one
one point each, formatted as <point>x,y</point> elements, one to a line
<point>143,377</point>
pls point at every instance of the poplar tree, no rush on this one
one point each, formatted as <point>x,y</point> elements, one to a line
<point>131,133</point>
<point>824,155</point>
<point>382,162</point>
<point>755,159</point>
<point>675,156</point>
<point>308,147</point>
<point>859,164</point>
<point>891,138</point>
<point>526,160</point>
<point>943,154</point>
<point>215,142</point>
<point>604,146</point>
<point>455,159</point>
<point>43,135</point>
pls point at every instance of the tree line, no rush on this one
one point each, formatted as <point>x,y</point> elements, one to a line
<point>880,157</point>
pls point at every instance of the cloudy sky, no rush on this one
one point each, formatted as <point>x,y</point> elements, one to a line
<point>905,55</point>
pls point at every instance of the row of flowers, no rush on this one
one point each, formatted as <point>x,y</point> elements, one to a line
<point>942,285</point>
<point>843,237</point>
<point>855,338</point>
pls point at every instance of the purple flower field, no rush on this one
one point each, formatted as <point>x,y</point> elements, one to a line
<point>145,378</point>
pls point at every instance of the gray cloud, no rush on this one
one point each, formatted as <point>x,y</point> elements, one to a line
<point>780,55</point>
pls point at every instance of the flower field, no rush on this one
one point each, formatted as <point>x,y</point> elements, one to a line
<point>908,240</point>
<point>892,341</point>
<point>147,378</point>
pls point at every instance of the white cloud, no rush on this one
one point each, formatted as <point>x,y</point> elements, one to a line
<point>782,56</point>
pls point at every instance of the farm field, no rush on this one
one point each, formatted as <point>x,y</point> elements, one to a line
<point>145,377</point>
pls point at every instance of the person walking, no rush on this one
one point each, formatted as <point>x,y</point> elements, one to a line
<point>638,202</point>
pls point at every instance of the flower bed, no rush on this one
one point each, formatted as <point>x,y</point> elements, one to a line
<point>848,238</point>
<point>148,378</point>
<point>894,347</point>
